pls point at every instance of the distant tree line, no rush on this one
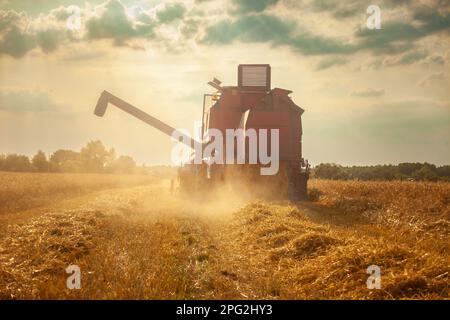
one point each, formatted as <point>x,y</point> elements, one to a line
<point>93,158</point>
<point>402,171</point>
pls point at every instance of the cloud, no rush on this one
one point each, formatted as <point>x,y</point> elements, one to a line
<point>111,19</point>
<point>14,39</point>
<point>351,8</point>
<point>416,56</point>
<point>406,58</point>
<point>114,23</point>
<point>339,9</point>
<point>190,27</point>
<point>252,21</point>
<point>84,55</point>
<point>274,30</point>
<point>434,59</point>
<point>398,36</point>
<point>19,33</point>
<point>171,12</point>
<point>49,40</point>
<point>18,101</point>
<point>437,76</point>
<point>432,20</point>
<point>330,62</point>
<point>395,37</point>
<point>396,3</point>
<point>254,28</point>
<point>412,57</point>
<point>253,5</point>
<point>36,8</point>
<point>310,44</point>
<point>368,93</point>
<point>420,57</point>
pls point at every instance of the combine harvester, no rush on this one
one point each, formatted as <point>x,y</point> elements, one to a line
<point>250,107</point>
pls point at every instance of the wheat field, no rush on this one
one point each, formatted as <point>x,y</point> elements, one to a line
<point>133,239</point>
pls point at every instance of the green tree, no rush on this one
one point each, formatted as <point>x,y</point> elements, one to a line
<point>40,162</point>
<point>65,161</point>
<point>426,173</point>
<point>444,172</point>
<point>407,168</point>
<point>111,158</point>
<point>417,171</point>
<point>16,162</point>
<point>94,156</point>
<point>329,171</point>
<point>123,164</point>
<point>2,161</point>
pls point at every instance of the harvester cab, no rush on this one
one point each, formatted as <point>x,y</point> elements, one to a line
<point>244,112</point>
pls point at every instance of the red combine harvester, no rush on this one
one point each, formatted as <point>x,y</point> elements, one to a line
<point>251,105</point>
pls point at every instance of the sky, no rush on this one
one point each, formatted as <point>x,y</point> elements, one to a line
<point>371,96</point>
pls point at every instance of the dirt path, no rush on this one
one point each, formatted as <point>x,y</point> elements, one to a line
<point>143,243</point>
